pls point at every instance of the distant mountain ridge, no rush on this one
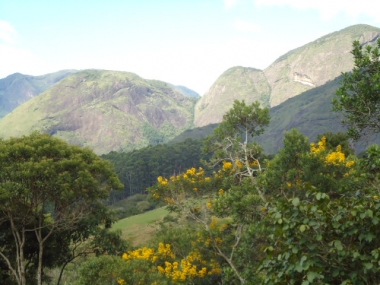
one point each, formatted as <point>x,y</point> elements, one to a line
<point>18,88</point>
<point>109,110</point>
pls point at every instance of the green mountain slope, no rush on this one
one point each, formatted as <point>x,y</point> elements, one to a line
<point>310,112</point>
<point>18,88</point>
<point>104,110</point>
<point>236,83</point>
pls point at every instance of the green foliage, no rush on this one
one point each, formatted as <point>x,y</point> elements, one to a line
<point>133,205</point>
<point>320,239</point>
<point>50,193</point>
<point>335,139</point>
<point>358,96</point>
<point>100,270</point>
<point>324,214</point>
<point>139,169</point>
<point>242,121</point>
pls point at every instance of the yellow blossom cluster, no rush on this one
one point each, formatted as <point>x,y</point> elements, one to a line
<point>238,163</point>
<point>189,268</point>
<point>336,157</point>
<point>227,165</point>
<point>191,174</point>
<point>165,250</point>
<point>145,253</point>
<point>169,201</point>
<point>321,146</point>
<point>161,180</point>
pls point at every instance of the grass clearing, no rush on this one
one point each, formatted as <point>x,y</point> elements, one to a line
<point>138,229</point>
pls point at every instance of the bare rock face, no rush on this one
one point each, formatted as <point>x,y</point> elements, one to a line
<point>315,63</point>
<point>303,79</point>
<point>104,110</point>
<point>240,83</point>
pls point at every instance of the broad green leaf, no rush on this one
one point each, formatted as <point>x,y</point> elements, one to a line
<point>296,202</point>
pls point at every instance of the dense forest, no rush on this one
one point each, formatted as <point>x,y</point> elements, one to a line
<point>139,169</point>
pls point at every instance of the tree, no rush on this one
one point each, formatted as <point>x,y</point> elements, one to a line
<point>358,97</point>
<point>226,204</point>
<point>232,140</point>
<point>324,215</point>
<point>48,187</point>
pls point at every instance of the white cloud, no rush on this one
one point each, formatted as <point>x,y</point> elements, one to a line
<point>7,33</point>
<point>246,26</point>
<point>230,3</point>
<point>329,9</point>
<point>15,59</point>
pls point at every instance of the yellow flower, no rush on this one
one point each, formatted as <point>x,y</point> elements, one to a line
<point>238,163</point>
<point>169,200</point>
<point>321,146</point>
<point>221,191</point>
<point>227,165</point>
<point>376,197</point>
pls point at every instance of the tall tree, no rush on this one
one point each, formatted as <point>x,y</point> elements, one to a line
<point>232,140</point>
<point>358,97</point>
<point>231,193</point>
<point>47,186</point>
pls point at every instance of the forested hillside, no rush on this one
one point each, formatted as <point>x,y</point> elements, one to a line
<point>139,169</point>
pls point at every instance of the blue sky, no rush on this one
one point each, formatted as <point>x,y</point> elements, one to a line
<point>184,42</point>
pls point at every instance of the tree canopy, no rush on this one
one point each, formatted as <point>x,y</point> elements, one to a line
<point>358,97</point>
<point>48,187</point>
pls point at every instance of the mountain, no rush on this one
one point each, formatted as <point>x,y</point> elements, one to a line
<point>241,83</point>
<point>310,112</point>
<point>187,91</point>
<point>104,110</point>
<point>297,71</point>
<point>316,63</point>
<point>18,88</point>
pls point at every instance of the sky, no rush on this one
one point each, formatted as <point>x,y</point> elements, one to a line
<point>183,42</point>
